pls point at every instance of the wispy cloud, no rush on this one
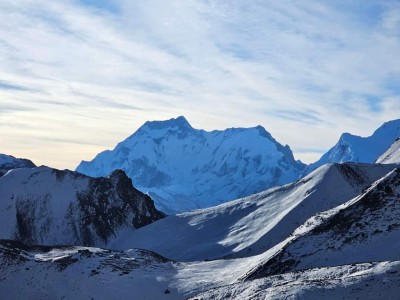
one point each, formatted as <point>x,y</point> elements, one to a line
<point>297,116</point>
<point>11,86</point>
<point>95,70</point>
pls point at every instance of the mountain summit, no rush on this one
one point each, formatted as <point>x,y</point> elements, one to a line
<point>183,168</point>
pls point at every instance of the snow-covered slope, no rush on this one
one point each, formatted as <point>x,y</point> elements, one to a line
<point>9,162</point>
<point>392,155</point>
<point>357,281</point>
<point>82,273</point>
<point>254,224</point>
<point>364,229</point>
<point>360,149</point>
<point>85,272</point>
<point>94,273</point>
<point>51,207</point>
<point>183,168</point>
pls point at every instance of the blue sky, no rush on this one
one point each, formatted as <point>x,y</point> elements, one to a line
<point>77,77</point>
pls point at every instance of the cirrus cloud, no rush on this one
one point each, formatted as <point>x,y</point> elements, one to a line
<point>78,76</point>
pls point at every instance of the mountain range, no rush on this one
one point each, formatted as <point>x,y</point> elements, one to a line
<point>350,250</point>
<point>331,232</point>
<point>183,168</point>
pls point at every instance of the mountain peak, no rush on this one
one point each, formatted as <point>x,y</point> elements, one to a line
<point>179,122</point>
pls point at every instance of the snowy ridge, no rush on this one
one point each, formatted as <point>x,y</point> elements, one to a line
<point>366,228</point>
<point>252,225</point>
<point>52,207</point>
<point>9,162</point>
<point>183,168</point>
<point>375,280</point>
<point>360,149</point>
<point>392,155</point>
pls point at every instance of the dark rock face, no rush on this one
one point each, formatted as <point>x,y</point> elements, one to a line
<point>111,203</point>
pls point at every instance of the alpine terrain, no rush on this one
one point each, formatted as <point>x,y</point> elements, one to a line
<point>331,234</point>
<point>349,251</point>
<point>183,168</point>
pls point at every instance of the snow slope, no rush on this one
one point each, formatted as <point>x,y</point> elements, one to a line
<point>364,229</point>
<point>47,206</point>
<point>392,155</point>
<point>360,149</point>
<point>254,224</point>
<point>379,280</point>
<point>9,162</point>
<point>183,168</point>
<point>32,272</point>
<point>45,272</point>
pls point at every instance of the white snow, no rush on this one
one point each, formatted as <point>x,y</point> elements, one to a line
<point>392,155</point>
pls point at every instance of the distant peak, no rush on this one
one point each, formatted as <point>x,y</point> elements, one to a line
<point>179,122</point>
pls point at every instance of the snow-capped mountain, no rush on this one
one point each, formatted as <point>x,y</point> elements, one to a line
<point>183,168</point>
<point>254,224</point>
<point>364,229</point>
<point>360,149</point>
<point>9,162</point>
<point>392,155</point>
<point>52,207</point>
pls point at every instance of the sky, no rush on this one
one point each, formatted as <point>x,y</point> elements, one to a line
<point>79,76</point>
